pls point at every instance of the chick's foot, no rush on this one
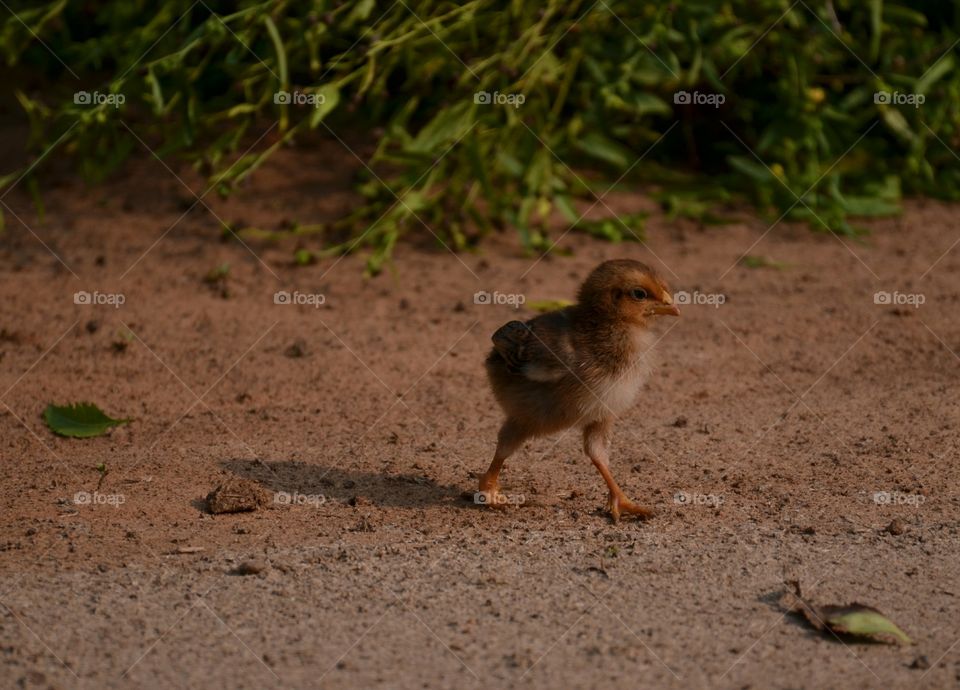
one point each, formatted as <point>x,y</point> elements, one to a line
<point>618,504</point>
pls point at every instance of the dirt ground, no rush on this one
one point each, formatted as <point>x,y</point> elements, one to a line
<point>798,431</point>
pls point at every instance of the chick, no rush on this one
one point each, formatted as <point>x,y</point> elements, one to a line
<point>580,366</point>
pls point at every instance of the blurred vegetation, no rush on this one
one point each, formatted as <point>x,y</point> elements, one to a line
<point>598,80</point>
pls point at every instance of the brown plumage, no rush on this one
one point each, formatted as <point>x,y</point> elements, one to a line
<point>579,366</point>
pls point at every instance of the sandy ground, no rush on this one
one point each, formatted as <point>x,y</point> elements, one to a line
<point>782,434</point>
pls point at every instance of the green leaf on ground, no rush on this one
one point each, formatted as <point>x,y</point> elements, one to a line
<point>303,257</point>
<point>545,305</point>
<point>80,420</point>
<point>218,274</point>
<point>863,621</point>
<point>751,261</point>
<point>859,621</point>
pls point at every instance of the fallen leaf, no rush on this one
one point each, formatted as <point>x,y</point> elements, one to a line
<point>80,420</point>
<point>853,620</point>
<point>863,621</point>
<point>545,305</point>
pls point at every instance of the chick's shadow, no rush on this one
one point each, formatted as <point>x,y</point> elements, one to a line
<point>342,484</point>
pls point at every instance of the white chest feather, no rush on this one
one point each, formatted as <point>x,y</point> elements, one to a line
<point>616,392</point>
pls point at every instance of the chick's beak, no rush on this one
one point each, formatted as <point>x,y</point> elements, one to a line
<point>666,306</point>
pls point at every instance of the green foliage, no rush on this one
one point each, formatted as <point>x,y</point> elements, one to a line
<point>799,134</point>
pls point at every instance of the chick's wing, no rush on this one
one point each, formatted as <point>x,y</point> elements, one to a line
<point>540,349</point>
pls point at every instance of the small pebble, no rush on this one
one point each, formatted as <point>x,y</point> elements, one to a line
<point>896,527</point>
<point>250,567</point>
<point>297,349</point>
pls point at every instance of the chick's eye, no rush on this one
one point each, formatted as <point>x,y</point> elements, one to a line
<point>638,293</point>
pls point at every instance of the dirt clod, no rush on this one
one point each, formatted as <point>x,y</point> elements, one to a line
<point>896,527</point>
<point>234,496</point>
<point>297,349</point>
<point>253,566</point>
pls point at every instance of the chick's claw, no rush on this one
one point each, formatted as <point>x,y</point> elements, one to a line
<point>489,494</point>
<point>618,505</point>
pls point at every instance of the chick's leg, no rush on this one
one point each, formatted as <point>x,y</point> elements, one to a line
<point>508,440</point>
<point>596,444</point>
